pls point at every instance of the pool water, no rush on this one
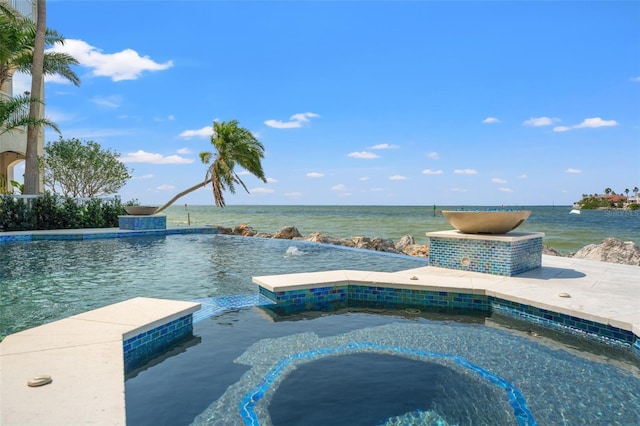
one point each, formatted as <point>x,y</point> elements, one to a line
<point>377,366</point>
<point>44,281</point>
<point>261,365</point>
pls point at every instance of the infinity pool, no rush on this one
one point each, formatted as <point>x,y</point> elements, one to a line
<point>252,364</point>
<point>43,281</point>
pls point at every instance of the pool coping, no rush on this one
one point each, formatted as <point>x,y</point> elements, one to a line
<point>601,292</point>
<point>83,355</point>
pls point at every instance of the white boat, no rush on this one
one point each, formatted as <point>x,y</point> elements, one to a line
<point>574,211</point>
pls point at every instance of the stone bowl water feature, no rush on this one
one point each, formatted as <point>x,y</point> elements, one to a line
<point>140,210</point>
<point>486,222</point>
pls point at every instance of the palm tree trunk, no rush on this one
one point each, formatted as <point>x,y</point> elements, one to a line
<point>31,170</point>
<point>183,193</point>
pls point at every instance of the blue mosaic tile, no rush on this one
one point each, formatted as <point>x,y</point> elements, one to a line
<point>142,222</point>
<point>308,297</point>
<point>14,238</point>
<point>140,348</point>
<point>58,237</point>
<point>89,235</point>
<point>489,256</point>
<point>603,333</point>
<point>212,306</point>
<point>353,295</point>
<point>517,401</point>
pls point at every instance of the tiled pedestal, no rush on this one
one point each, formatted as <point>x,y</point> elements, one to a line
<point>506,254</point>
<point>137,223</point>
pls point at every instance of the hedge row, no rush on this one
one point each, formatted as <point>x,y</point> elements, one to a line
<point>51,211</point>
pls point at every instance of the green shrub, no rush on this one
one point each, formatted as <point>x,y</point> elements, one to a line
<point>46,212</point>
<point>51,211</point>
<point>14,214</point>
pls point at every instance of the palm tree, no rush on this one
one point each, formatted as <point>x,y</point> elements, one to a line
<point>13,114</point>
<point>31,169</point>
<point>635,192</point>
<point>233,146</point>
<point>23,45</point>
<point>17,43</point>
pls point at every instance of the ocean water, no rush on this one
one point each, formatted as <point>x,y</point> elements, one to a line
<point>563,231</point>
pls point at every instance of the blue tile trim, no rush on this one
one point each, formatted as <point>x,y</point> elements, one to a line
<point>592,330</point>
<point>211,306</point>
<point>142,222</point>
<point>63,236</point>
<point>138,349</point>
<point>521,412</point>
<point>14,238</point>
<point>376,294</point>
<point>315,298</point>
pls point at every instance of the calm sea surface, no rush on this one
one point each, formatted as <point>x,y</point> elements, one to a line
<point>563,231</point>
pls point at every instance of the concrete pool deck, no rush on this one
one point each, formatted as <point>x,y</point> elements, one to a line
<point>83,354</point>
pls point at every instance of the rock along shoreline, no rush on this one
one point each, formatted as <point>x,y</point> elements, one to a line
<point>610,250</point>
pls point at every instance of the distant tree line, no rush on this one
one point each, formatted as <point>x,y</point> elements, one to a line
<point>610,200</point>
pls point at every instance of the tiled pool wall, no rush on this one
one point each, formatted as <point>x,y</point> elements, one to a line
<point>315,298</point>
<point>144,346</point>
<point>507,257</point>
<point>102,234</point>
<point>142,222</point>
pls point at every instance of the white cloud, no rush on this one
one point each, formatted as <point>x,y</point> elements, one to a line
<point>385,146</point>
<point>431,172</point>
<point>315,175</point>
<point>363,154</point>
<point>141,156</point>
<point>295,121</point>
<point>261,190</point>
<point>596,122</point>
<point>271,180</point>
<point>433,155</point>
<point>184,151</point>
<point>498,180</point>
<point>573,171</point>
<point>165,187</point>
<point>635,79</point>
<point>293,194</point>
<point>364,178</point>
<point>588,123</point>
<point>506,190</point>
<point>540,121</point>
<point>490,120</point>
<point>465,171</point>
<point>338,187</point>
<point>205,132</point>
<point>124,65</point>
<point>109,101</point>
<point>377,189</point>
<point>149,176</point>
<point>397,177</point>
<point>523,176</point>
<point>458,190</point>
<point>57,116</point>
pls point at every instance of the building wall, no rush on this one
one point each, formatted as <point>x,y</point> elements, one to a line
<point>13,144</point>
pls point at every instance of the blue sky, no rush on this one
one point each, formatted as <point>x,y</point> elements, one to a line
<point>360,103</point>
